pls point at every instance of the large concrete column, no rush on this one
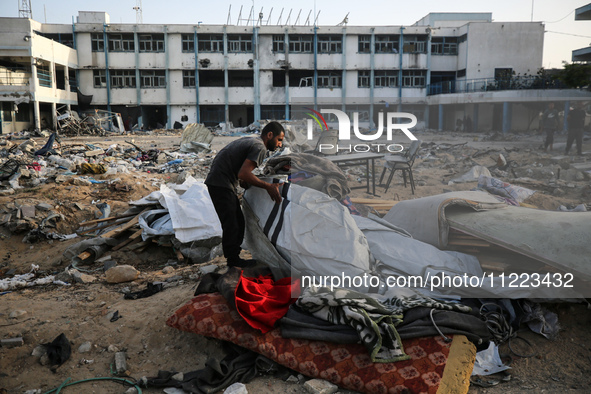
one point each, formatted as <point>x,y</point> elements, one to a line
<point>34,89</point>
<point>53,116</point>
<point>67,86</point>
<point>440,122</point>
<point>506,117</point>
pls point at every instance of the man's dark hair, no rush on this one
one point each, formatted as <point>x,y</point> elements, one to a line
<point>273,127</point>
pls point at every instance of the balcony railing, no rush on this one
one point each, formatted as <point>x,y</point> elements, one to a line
<point>492,84</point>
<point>14,77</point>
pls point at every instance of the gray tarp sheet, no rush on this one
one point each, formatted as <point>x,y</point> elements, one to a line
<point>560,239</point>
<point>424,218</point>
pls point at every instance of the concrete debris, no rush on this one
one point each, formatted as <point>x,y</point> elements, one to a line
<point>121,364</point>
<point>121,274</point>
<point>319,386</point>
<point>12,342</point>
<point>85,347</point>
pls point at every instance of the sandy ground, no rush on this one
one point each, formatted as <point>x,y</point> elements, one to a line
<point>82,311</point>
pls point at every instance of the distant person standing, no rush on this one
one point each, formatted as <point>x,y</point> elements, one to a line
<point>549,124</point>
<point>576,122</point>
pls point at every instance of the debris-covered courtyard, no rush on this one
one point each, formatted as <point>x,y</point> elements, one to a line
<point>49,204</point>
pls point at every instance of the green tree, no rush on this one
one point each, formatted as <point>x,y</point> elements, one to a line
<point>576,75</point>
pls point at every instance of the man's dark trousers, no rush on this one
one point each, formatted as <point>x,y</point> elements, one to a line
<point>227,206</point>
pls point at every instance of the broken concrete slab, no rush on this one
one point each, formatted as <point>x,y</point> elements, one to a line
<point>28,211</point>
<point>319,386</point>
<point>121,274</point>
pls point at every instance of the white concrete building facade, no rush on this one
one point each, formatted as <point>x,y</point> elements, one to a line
<point>37,74</point>
<point>443,68</point>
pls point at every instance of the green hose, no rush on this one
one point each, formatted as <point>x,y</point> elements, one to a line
<point>66,384</point>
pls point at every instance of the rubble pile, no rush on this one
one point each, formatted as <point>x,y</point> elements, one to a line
<point>522,166</point>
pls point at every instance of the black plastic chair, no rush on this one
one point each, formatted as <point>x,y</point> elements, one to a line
<point>327,137</point>
<point>403,163</point>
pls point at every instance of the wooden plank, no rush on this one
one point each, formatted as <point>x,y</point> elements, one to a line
<point>100,227</point>
<point>119,230</point>
<point>128,240</point>
<point>139,245</point>
<point>179,255</point>
<point>84,224</point>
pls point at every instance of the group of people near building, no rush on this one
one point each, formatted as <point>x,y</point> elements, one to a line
<point>550,122</point>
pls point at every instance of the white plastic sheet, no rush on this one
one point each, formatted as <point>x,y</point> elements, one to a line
<point>191,210</point>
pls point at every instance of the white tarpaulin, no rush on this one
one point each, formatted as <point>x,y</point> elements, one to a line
<point>191,210</point>
<point>312,231</point>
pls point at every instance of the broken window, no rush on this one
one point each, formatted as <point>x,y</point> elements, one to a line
<point>461,73</point>
<point>330,79</point>
<point>211,78</point>
<point>278,43</point>
<point>239,43</point>
<point>66,39</point>
<point>415,44</point>
<point>24,113</point>
<point>301,78</point>
<point>239,78</point>
<point>364,44</point>
<point>44,76</point>
<point>272,111</point>
<point>188,43</point>
<point>444,46</point>
<point>386,78</point>
<point>152,78</point>
<point>279,78</point>
<point>414,78</point>
<point>300,43</point>
<point>188,78</point>
<point>122,78</point>
<point>330,44</point>
<point>100,78</point>
<point>151,42</point>
<point>72,80</point>
<point>363,79</point>
<point>96,42</point>
<point>121,42</point>
<point>386,44</point>
<point>60,78</point>
<point>211,115</point>
<point>210,43</point>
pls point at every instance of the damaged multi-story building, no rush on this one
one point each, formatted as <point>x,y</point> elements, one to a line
<point>444,68</point>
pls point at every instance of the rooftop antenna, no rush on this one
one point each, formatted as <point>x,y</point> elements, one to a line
<point>251,15</point>
<point>345,21</point>
<point>298,18</point>
<point>139,19</point>
<point>239,16</point>
<point>280,16</point>
<point>316,19</point>
<point>229,19</point>
<point>288,17</point>
<point>25,10</point>
<point>307,22</point>
<point>269,18</point>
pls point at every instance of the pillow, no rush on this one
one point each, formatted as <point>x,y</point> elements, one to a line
<point>348,366</point>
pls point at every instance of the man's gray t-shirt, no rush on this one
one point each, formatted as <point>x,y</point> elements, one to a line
<point>227,163</point>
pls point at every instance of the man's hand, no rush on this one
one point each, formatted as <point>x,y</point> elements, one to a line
<point>243,184</point>
<point>273,190</point>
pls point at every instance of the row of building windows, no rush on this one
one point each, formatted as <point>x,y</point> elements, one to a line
<point>240,78</point>
<point>237,43</point>
<point>127,78</point>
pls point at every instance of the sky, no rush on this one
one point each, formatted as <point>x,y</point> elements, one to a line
<point>563,33</point>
